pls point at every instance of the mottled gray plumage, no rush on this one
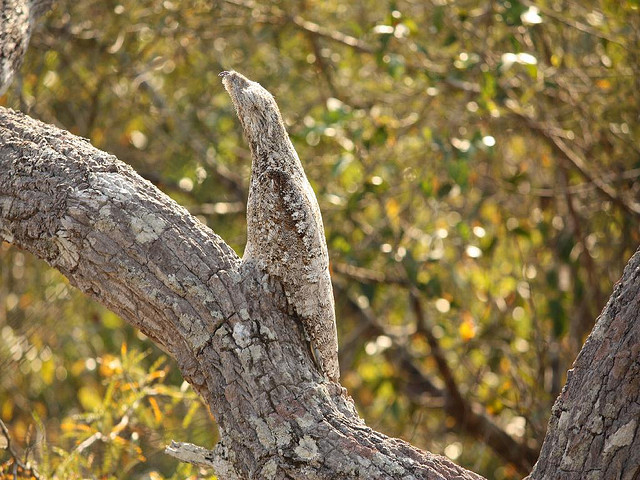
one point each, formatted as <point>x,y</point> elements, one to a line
<point>285,235</point>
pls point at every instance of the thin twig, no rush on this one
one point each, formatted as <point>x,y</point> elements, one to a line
<point>470,416</point>
<point>366,275</point>
<point>17,462</point>
<point>438,354</point>
<point>578,163</point>
<point>279,17</point>
<point>575,189</point>
<point>573,23</point>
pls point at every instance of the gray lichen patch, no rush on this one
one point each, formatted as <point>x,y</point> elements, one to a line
<point>307,449</point>
<point>267,333</point>
<point>68,254</point>
<point>256,353</point>
<point>105,222</point>
<point>306,421</point>
<point>388,465</point>
<point>621,438</point>
<point>269,470</point>
<point>241,335</point>
<point>265,436</point>
<point>198,338</point>
<point>147,227</point>
<point>281,430</point>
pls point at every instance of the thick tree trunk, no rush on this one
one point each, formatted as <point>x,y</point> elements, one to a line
<point>123,242</point>
<point>594,428</point>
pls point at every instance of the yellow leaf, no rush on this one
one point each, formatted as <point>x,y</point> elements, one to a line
<point>545,160</point>
<point>110,365</point>
<point>139,454</point>
<point>193,408</point>
<point>7,409</point>
<point>393,209</point>
<point>48,371</point>
<point>467,328</point>
<point>97,136</point>
<point>157,374</point>
<point>89,398</point>
<point>156,409</point>
<point>70,425</point>
<point>505,364</point>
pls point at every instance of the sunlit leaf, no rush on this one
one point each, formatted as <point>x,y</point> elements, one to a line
<point>467,329</point>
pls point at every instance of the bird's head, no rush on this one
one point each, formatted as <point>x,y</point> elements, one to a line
<point>256,109</point>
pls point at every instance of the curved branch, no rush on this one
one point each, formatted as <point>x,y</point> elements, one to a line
<point>579,164</point>
<point>114,235</point>
<point>471,417</point>
<point>123,242</point>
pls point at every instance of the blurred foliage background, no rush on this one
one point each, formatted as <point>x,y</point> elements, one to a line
<point>476,164</point>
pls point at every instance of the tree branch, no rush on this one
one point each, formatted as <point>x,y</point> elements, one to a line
<point>6,444</point>
<point>366,275</point>
<point>576,162</point>
<point>594,425</point>
<point>469,416</point>
<point>114,235</point>
<point>123,242</point>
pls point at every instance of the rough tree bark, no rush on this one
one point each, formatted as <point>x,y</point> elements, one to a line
<point>594,427</point>
<point>17,18</point>
<point>126,244</point>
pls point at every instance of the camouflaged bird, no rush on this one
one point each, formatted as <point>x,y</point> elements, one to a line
<point>285,235</point>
